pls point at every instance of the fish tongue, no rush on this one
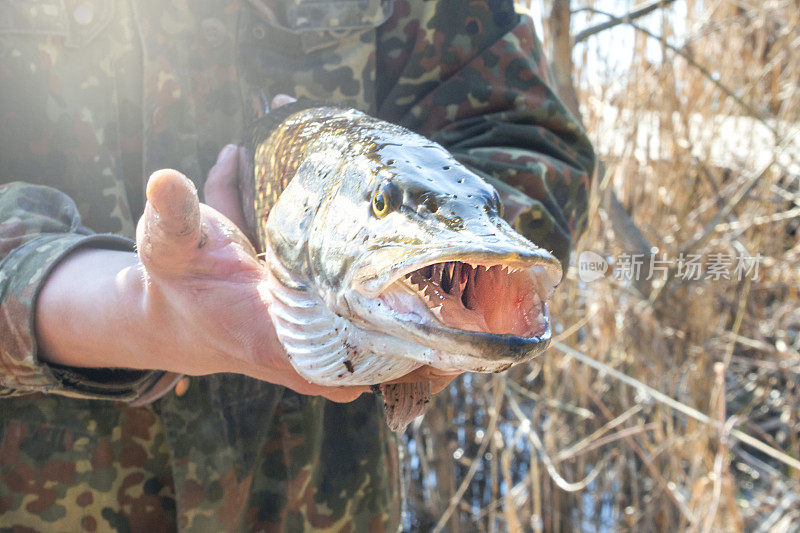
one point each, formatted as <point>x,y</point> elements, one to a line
<point>403,402</point>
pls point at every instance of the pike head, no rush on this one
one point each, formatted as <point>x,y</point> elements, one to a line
<point>387,254</point>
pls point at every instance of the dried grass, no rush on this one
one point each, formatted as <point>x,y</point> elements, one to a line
<point>701,148</point>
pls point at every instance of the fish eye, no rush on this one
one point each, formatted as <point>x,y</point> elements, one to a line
<point>379,204</point>
<point>387,198</point>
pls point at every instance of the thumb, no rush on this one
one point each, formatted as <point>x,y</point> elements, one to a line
<point>170,231</point>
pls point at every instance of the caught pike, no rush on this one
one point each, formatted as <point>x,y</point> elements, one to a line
<point>387,254</point>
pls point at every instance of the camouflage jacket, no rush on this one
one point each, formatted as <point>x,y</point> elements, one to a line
<point>97,94</point>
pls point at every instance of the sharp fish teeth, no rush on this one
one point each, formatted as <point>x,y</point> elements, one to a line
<point>447,278</point>
<point>456,283</point>
<point>438,268</point>
<point>469,286</point>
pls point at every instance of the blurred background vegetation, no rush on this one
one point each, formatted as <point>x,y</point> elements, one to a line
<point>662,405</point>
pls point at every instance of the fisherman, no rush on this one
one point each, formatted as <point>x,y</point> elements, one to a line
<point>99,94</point>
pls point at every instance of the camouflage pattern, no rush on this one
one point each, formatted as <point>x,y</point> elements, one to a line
<point>96,94</point>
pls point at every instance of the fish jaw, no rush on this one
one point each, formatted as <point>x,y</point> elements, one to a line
<point>481,303</point>
<point>489,334</point>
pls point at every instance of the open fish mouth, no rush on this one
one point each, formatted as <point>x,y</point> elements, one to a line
<point>494,298</point>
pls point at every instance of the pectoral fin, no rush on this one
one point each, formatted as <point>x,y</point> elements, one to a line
<point>403,402</point>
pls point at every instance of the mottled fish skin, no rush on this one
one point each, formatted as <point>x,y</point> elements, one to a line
<point>316,170</point>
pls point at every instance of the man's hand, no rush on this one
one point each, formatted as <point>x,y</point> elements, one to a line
<point>192,301</point>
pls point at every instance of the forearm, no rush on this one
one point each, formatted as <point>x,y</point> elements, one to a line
<point>40,229</point>
<point>89,310</point>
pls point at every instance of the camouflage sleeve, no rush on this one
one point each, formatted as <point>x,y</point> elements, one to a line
<point>472,76</point>
<point>38,227</point>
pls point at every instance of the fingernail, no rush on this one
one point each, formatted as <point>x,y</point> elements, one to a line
<point>282,99</point>
<point>226,153</point>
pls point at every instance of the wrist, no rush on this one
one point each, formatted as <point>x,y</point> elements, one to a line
<point>89,309</point>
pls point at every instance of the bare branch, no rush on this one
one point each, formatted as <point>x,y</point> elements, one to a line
<point>615,21</point>
<point>660,397</point>
<point>703,70</point>
<point>499,387</point>
<point>561,66</point>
